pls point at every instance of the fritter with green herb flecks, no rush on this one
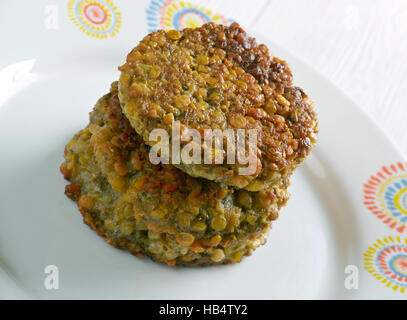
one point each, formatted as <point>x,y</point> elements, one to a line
<point>111,215</point>
<point>217,77</point>
<point>158,210</point>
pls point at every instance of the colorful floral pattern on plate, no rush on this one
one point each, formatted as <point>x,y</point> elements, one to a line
<point>385,195</point>
<point>386,260</point>
<point>96,18</point>
<point>175,14</point>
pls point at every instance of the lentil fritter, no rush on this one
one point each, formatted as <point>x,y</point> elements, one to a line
<point>158,210</point>
<point>111,216</point>
<point>167,199</point>
<point>217,77</point>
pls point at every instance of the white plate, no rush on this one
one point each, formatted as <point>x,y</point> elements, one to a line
<point>49,81</point>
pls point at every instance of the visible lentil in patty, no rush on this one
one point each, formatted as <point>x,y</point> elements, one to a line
<point>217,77</point>
<point>165,197</point>
<point>158,210</point>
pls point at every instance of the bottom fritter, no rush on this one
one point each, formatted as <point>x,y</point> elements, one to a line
<point>105,211</point>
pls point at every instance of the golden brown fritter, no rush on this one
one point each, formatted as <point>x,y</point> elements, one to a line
<point>107,212</point>
<point>217,77</point>
<point>158,210</point>
<point>166,198</point>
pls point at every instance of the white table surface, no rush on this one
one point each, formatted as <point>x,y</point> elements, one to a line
<point>360,45</point>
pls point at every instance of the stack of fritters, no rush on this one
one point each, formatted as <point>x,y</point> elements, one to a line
<point>212,77</point>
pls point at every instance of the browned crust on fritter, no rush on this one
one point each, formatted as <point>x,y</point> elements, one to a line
<point>107,213</point>
<point>217,77</point>
<point>167,199</point>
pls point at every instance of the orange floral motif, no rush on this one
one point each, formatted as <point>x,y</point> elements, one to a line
<point>96,18</point>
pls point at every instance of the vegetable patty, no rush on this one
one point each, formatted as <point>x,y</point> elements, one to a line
<point>217,77</point>
<point>158,210</point>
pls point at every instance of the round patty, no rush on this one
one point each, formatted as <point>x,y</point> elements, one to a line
<point>167,199</point>
<point>217,77</point>
<point>158,210</point>
<point>111,216</point>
